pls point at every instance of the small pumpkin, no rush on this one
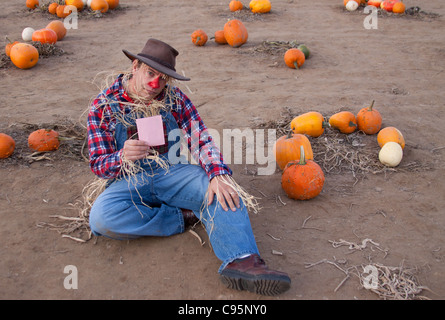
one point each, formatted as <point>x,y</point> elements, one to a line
<point>27,34</point>
<point>32,4</point>
<point>345,2</point>
<point>63,11</point>
<point>58,27</point>
<point>303,179</point>
<point>398,7</point>
<point>76,3</point>
<point>7,145</point>
<point>199,37</point>
<point>391,154</point>
<point>219,37</point>
<point>294,58</point>
<point>235,5</point>
<point>287,148</point>
<point>260,6</point>
<point>388,4</point>
<point>235,33</point>
<point>351,5</point>
<point>369,120</point>
<point>53,7</point>
<point>310,123</point>
<point>9,46</point>
<point>375,3</point>
<point>112,4</point>
<point>99,5</point>
<point>344,121</point>
<point>24,55</point>
<point>390,134</point>
<point>45,36</point>
<point>44,140</point>
<point>305,50</point>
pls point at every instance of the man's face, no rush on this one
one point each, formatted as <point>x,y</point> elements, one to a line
<point>148,82</point>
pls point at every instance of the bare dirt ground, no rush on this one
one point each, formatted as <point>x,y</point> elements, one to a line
<point>393,218</point>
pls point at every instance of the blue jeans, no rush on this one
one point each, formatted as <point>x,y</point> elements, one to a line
<point>151,206</point>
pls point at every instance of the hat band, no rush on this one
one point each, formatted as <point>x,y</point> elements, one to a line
<point>165,64</point>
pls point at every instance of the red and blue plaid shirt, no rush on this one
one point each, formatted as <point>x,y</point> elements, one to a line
<point>105,159</point>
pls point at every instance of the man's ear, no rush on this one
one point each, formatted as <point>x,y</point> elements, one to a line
<point>135,65</point>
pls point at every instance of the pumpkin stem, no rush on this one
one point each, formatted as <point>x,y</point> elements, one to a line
<point>302,157</point>
<point>352,124</point>
<point>325,124</point>
<point>370,107</point>
<point>296,65</point>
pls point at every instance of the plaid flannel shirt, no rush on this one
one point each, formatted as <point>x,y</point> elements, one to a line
<point>105,159</point>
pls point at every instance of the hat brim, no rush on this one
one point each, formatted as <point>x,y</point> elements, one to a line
<point>155,65</point>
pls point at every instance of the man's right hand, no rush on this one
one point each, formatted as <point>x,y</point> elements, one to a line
<point>135,149</point>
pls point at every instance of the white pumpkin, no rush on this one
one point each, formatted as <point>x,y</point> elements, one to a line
<point>351,5</point>
<point>391,154</point>
<point>27,33</point>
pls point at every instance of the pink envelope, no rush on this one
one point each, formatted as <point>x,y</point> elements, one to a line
<point>151,130</point>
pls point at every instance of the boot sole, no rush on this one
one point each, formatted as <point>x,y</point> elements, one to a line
<point>269,285</point>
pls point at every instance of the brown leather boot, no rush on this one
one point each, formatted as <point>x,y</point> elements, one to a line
<point>252,274</point>
<point>189,218</point>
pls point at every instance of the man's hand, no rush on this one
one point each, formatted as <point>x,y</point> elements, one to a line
<point>135,149</point>
<point>225,194</point>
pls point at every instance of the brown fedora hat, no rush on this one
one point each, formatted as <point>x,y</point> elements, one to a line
<point>160,56</point>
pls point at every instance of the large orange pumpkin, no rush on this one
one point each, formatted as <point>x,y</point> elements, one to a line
<point>24,55</point>
<point>369,120</point>
<point>294,58</point>
<point>303,179</point>
<point>45,36</point>
<point>58,27</point>
<point>344,121</point>
<point>7,145</point>
<point>44,140</point>
<point>235,33</point>
<point>390,134</point>
<point>199,37</point>
<point>287,148</point>
<point>99,5</point>
<point>311,123</point>
<point>32,4</point>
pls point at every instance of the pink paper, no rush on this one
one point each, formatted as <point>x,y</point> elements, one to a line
<point>151,130</point>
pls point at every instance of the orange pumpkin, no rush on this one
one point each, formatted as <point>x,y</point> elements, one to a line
<point>390,134</point>
<point>32,4</point>
<point>76,3</point>
<point>44,140</point>
<point>235,33</point>
<point>45,36</point>
<point>375,3</point>
<point>260,6</point>
<point>369,120</point>
<point>310,123</point>
<point>53,7</point>
<point>235,5</point>
<point>303,179</point>
<point>388,4</point>
<point>199,37</point>
<point>219,37</point>
<point>99,5</point>
<point>9,46</point>
<point>112,4</point>
<point>7,145</point>
<point>24,55</point>
<point>294,58</point>
<point>61,12</point>
<point>344,121</point>
<point>58,27</point>
<point>398,7</point>
<point>287,148</point>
